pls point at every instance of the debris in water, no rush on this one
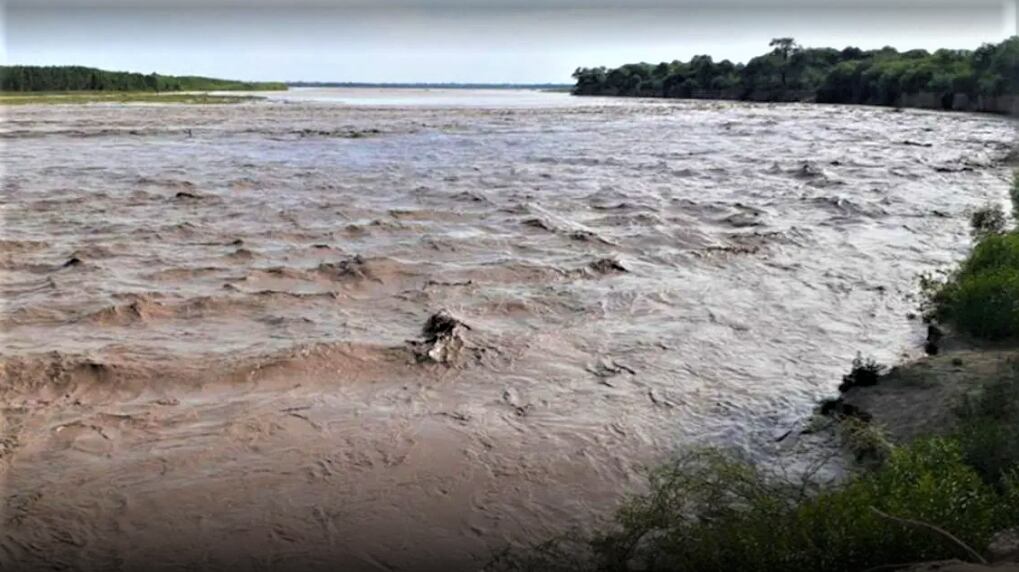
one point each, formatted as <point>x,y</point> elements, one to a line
<point>605,368</point>
<point>443,339</point>
<point>659,400</point>
<point>511,398</point>
<point>607,266</point>
<point>538,223</point>
<point>353,267</point>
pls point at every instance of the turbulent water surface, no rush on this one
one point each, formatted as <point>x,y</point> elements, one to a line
<point>212,323</point>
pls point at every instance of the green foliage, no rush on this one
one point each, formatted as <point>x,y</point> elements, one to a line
<point>994,253</point>
<point>1014,194</point>
<point>865,440</point>
<point>78,78</point>
<point>790,71</point>
<point>987,220</point>
<point>865,372</point>
<point>72,97</point>
<point>985,305</point>
<point>989,435</point>
<point>709,511</point>
<point>982,297</point>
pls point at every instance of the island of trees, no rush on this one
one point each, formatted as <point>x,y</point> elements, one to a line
<point>79,78</point>
<point>985,79</point>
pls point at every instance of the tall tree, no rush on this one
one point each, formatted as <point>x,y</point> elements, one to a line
<point>784,47</point>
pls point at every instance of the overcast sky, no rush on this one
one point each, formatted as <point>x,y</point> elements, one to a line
<point>464,40</point>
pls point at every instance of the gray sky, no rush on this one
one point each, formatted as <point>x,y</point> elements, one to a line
<point>464,40</point>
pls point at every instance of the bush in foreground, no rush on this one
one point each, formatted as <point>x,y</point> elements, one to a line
<point>709,511</point>
<point>990,428</point>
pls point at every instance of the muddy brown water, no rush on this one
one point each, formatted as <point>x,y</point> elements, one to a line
<point>206,312</point>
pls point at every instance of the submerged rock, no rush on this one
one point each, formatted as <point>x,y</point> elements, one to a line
<point>354,267</point>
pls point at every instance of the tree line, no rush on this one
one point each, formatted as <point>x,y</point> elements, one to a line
<point>790,72</point>
<point>79,78</point>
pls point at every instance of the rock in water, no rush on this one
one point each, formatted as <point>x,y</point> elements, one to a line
<point>443,339</point>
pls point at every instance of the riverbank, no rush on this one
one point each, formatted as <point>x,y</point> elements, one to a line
<point>79,97</point>
<point>929,396</point>
<point>981,80</point>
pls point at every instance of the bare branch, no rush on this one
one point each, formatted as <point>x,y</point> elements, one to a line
<point>941,531</point>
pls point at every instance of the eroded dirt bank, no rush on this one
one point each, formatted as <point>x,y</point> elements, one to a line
<point>923,397</point>
<point>207,313</point>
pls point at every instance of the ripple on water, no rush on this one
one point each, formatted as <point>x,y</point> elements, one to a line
<point>639,275</point>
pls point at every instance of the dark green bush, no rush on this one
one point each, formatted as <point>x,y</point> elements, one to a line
<point>1014,193</point>
<point>984,304</point>
<point>864,373</point>
<point>982,297</point>
<point>987,220</point>
<point>712,512</point>
<point>991,448</point>
<point>990,428</point>
<point>994,253</point>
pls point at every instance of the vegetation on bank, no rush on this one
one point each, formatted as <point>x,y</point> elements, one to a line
<point>937,498</point>
<point>981,297</point>
<point>79,78</point>
<point>792,72</point>
<point>1014,194</point>
<point>118,97</point>
<point>710,511</point>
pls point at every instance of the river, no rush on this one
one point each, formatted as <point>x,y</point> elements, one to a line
<point>207,309</point>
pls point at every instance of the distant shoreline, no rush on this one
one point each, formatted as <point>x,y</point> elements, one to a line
<point>82,97</point>
<point>982,80</point>
<point>411,85</point>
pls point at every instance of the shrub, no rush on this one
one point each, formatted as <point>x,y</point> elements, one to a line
<point>985,304</point>
<point>709,511</point>
<point>982,297</point>
<point>1014,193</point>
<point>987,220</point>
<point>865,373</point>
<point>989,435</point>
<point>865,440</point>
<point>993,253</point>
<point>992,449</point>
